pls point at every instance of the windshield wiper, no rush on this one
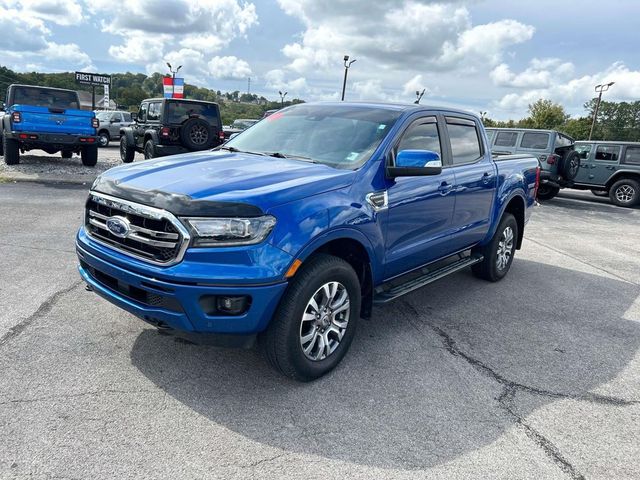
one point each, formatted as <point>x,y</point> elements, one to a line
<point>236,150</point>
<point>282,155</point>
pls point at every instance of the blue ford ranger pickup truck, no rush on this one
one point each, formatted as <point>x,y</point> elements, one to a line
<point>49,119</point>
<point>295,229</point>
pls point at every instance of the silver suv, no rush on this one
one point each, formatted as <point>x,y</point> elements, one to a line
<point>111,121</point>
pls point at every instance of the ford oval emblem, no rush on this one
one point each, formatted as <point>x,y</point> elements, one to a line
<point>118,226</point>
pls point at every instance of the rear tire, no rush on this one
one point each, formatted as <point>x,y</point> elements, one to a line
<point>89,155</point>
<point>625,193</point>
<point>11,151</point>
<point>149,150</point>
<point>66,154</point>
<point>305,340</point>
<point>126,152</point>
<point>547,192</point>
<point>103,139</point>
<point>498,253</point>
<point>197,134</point>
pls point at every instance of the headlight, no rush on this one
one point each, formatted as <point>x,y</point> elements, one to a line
<point>224,232</point>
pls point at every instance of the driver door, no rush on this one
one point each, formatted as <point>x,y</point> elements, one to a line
<point>420,208</point>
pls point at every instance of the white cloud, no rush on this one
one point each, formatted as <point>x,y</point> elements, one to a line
<point>275,80</point>
<point>415,84</point>
<point>541,73</point>
<point>228,67</point>
<point>576,91</point>
<point>61,12</point>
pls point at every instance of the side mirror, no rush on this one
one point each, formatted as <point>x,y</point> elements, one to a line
<point>414,163</point>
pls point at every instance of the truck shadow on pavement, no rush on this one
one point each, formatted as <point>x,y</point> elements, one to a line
<point>441,373</point>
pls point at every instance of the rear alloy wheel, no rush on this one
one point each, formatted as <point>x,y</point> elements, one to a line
<point>149,150</point>
<point>625,192</point>
<point>103,139</point>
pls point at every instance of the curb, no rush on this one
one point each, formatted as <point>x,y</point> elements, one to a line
<point>84,180</point>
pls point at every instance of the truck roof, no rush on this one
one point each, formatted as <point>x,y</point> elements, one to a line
<point>541,130</point>
<point>13,85</point>
<point>608,142</point>
<point>187,100</point>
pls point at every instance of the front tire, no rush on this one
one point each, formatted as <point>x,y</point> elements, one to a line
<point>498,253</point>
<point>89,155</point>
<point>126,153</point>
<point>547,192</point>
<point>600,193</point>
<point>625,192</point>
<point>11,151</point>
<point>315,322</point>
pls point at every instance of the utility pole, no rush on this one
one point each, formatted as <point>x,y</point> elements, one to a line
<point>347,64</point>
<point>249,86</point>
<point>419,96</point>
<point>599,89</point>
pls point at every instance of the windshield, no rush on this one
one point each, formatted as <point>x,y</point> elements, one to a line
<point>338,136</point>
<point>45,97</point>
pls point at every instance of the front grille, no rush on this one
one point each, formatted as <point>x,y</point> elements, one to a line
<point>153,235</point>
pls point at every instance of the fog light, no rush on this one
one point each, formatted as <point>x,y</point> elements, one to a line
<point>232,305</point>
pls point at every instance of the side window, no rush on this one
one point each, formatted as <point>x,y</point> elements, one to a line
<point>115,117</point>
<point>607,153</point>
<point>632,155</point>
<point>506,139</point>
<point>535,140</point>
<point>142,113</point>
<point>126,117</point>
<point>421,135</point>
<point>584,151</point>
<point>154,112</point>
<point>490,135</point>
<point>465,141</point>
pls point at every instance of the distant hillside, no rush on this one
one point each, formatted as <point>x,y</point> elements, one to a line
<point>129,89</point>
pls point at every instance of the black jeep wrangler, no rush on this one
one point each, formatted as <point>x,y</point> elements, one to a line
<point>167,126</point>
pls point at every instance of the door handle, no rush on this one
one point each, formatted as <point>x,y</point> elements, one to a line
<point>486,177</point>
<point>610,167</point>
<point>445,188</point>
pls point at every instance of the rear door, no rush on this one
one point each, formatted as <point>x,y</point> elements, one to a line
<point>475,181</point>
<point>586,152</point>
<point>419,208</point>
<point>605,163</point>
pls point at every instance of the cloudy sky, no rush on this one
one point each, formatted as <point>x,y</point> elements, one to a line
<point>494,55</point>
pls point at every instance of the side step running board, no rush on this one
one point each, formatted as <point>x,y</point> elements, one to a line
<point>425,279</point>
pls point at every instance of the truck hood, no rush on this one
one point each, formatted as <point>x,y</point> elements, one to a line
<point>220,183</point>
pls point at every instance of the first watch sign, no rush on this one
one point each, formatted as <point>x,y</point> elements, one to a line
<point>93,79</point>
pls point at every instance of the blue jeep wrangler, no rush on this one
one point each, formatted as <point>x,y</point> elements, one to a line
<point>49,119</point>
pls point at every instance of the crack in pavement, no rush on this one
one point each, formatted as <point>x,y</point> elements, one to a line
<point>510,388</point>
<point>106,391</point>
<point>597,267</point>
<point>44,308</point>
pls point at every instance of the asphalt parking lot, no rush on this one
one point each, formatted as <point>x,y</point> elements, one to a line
<point>537,376</point>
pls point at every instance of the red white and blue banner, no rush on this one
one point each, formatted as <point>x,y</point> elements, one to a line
<point>173,87</point>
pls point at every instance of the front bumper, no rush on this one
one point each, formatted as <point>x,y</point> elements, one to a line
<point>174,306</point>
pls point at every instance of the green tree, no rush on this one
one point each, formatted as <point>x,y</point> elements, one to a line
<point>543,113</point>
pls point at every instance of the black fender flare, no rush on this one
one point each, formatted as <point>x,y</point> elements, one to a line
<point>127,133</point>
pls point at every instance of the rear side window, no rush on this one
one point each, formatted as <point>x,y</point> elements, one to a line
<point>127,117</point>
<point>535,140</point>
<point>506,139</point>
<point>465,141</point>
<point>44,97</point>
<point>608,153</point>
<point>583,150</point>
<point>179,112</point>
<point>632,155</point>
<point>154,111</point>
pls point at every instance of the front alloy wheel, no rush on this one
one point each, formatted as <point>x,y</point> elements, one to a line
<point>324,321</point>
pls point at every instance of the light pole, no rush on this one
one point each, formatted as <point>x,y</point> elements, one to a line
<point>347,64</point>
<point>282,95</point>
<point>173,76</point>
<point>599,88</point>
<point>419,96</point>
